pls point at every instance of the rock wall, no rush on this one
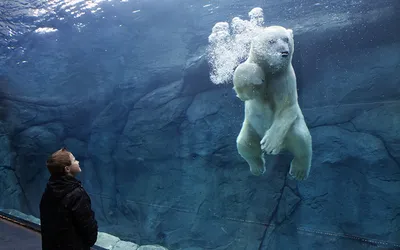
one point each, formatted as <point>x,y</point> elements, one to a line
<point>160,162</point>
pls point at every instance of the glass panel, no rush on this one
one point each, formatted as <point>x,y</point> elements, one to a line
<point>141,92</point>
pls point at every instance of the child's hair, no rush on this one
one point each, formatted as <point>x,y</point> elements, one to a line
<point>57,162</point>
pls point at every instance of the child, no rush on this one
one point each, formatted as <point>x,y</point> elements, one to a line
<point>66,217</point>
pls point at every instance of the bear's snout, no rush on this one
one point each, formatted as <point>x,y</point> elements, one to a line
<point>285,53</point>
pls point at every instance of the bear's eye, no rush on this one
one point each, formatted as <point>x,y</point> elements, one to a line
<point>285,39</point>
<point>271,41</point>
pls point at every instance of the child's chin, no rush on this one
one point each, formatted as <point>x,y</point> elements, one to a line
<point>77,172</point>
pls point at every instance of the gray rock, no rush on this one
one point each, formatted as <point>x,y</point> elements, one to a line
<point>11,189</point>
<point>287,204</point>
<point>160,96</point>
<point>46,137</point>
<point>77,147</point>
<point>384,123</point>
<point>21,215</point>
<point>197,68</point>
<point>107,241</point>
<point>152,247</point>
<point>353,177</point>
<point>9,186</point>
<point>205,104</point>
<point>149,119</point>
<point>5,147</point>
<point>125,245</point>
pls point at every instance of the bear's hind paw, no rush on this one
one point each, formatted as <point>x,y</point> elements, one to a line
<point>298,172</point>
<point>257,171</point>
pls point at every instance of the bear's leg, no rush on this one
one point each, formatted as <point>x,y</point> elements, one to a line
<point>248,145</point>
<point>299,143</point>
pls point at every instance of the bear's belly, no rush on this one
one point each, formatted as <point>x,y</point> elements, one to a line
<point>259,115</point>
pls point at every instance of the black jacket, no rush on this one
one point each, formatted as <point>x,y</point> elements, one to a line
<point>66,217</point>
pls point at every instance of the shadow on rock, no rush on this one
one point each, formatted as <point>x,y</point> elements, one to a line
<point>3,91</point>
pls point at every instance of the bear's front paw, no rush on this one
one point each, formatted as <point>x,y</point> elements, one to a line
<point>271,143</point>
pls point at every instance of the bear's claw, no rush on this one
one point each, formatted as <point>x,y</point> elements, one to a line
<point>299,173</point>
<point>257,171</point>
<point>271,144</point>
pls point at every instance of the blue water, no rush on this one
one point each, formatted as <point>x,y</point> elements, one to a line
<point>126,86</point>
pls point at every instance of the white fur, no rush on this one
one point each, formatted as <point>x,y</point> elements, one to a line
<point>273,119</point>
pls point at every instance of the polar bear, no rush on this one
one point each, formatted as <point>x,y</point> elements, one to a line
<point>266,83</point>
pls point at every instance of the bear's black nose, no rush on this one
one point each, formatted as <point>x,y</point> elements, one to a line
<point>285,53</point>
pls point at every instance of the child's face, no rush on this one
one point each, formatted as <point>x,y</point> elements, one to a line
<point>74,168</point>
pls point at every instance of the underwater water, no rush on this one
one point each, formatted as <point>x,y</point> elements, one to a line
<point>142,95</point>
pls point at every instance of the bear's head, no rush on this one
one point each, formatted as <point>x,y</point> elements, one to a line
<point>273,48</point>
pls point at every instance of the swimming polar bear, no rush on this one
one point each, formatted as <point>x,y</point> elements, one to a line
<point>266,83</point>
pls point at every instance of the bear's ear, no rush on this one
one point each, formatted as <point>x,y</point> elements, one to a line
<point>290,32</point>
